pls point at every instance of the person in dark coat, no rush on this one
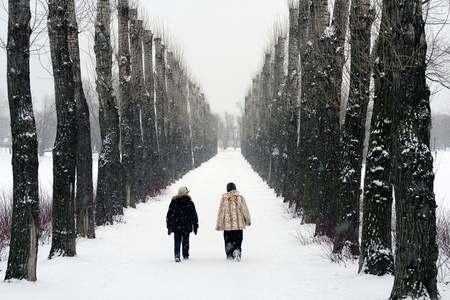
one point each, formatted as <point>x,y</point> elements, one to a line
<point>182,219</point>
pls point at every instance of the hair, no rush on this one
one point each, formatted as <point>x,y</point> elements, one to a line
<point>231,186</point>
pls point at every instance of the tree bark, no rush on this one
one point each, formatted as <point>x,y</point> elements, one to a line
<point>136,173</point>
<point>331,64</point>
<point>85,189</point>
<point>160,100</point>
<point>302,206</point>
<point>353,130</point>
<point>64,151</point>
<point>126,106</point>
<point>24,229</point>
<point>416,250</point>
<point>376,249</point>
<point>148,117</point>
<point>289,112</point>
<point>108,201</point>
<point>313,85</point>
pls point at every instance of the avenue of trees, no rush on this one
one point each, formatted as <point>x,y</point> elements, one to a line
<point>295,136</point>
<point>155,124</point>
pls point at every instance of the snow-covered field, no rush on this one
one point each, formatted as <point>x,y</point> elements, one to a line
<point>134,259</point>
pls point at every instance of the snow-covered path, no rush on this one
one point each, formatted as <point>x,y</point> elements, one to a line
<point>134,259</point>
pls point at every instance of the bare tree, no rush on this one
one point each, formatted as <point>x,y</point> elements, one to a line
<point>24,232</point>
<point>353,129</point>
<point>84,190</point>
<point>127,110</point>
<point>416,250</point>
<point>64,151</point>
<point>108,182</point>
<point>153,167</point>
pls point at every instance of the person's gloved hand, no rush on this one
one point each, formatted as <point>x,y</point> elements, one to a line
<point>195,229</point>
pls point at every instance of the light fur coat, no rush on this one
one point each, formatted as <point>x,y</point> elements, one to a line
<point>233,212</point>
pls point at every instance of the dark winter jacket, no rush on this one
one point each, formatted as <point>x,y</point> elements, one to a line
<point>182,216</point>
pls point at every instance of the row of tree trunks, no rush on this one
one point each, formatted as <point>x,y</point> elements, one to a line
<point>123,180</point>
<point>329,158</point>
<point>156,124</point>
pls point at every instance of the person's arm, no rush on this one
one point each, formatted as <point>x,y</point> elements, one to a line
<point>194,219</point>
<point>220,216</point>
<point>169,218</point>
<point>246,212</point>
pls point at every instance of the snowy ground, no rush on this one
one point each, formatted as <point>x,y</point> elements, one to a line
<point>134,259</point>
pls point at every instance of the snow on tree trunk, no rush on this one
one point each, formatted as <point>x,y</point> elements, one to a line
<point>64,151</point>
<point>290,112</point>
<point>313,83</point>
<point>136,173</point>
<point>152,164</point>
<point>24,229</point>
<point>330,62</point>
<point>108,200</point>
<point>303,129</point>
<point>353,130</point>
<point>376,254</point>
<point>85,189</point>
<point>416,250</point>
<point>128,110</point>
<point>160,100</point>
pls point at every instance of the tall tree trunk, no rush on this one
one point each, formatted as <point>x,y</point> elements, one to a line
<point>108,182</point>
<point>64,151</point>
<point>169,119</point>
<point>376,242</point>
<point>136,173</point>
<point>331,63</point>
<point>160,100</point>
<point>354,128</point>
<point>152,165</point>
<point>24,230</point>
<point>278,161</point>
<point>126,106</point>
<point>416,250</point>
<point>313,83</point>
<point>303,116</point>
<point>85,190</point>
<point>290,112</point>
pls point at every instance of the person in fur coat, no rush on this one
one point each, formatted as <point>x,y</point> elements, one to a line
<point>233,217</point>
<point>181,219</point>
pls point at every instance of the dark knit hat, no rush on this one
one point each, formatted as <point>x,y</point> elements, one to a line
<point>231,186</point>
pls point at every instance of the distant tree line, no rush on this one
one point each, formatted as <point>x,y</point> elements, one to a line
<point>154,120</point>
<point>294,136</point>
<point>440,131</point>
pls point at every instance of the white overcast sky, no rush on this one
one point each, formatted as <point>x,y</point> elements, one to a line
<point>222,41</point>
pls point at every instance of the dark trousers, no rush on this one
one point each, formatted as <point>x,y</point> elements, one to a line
<point>233,241</point>
<point>181,238</point>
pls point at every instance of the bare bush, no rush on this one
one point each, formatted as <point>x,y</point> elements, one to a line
<point>45,219</point>
<point>5,221</point>
<point>306,236</point>
<point>443,242</point>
